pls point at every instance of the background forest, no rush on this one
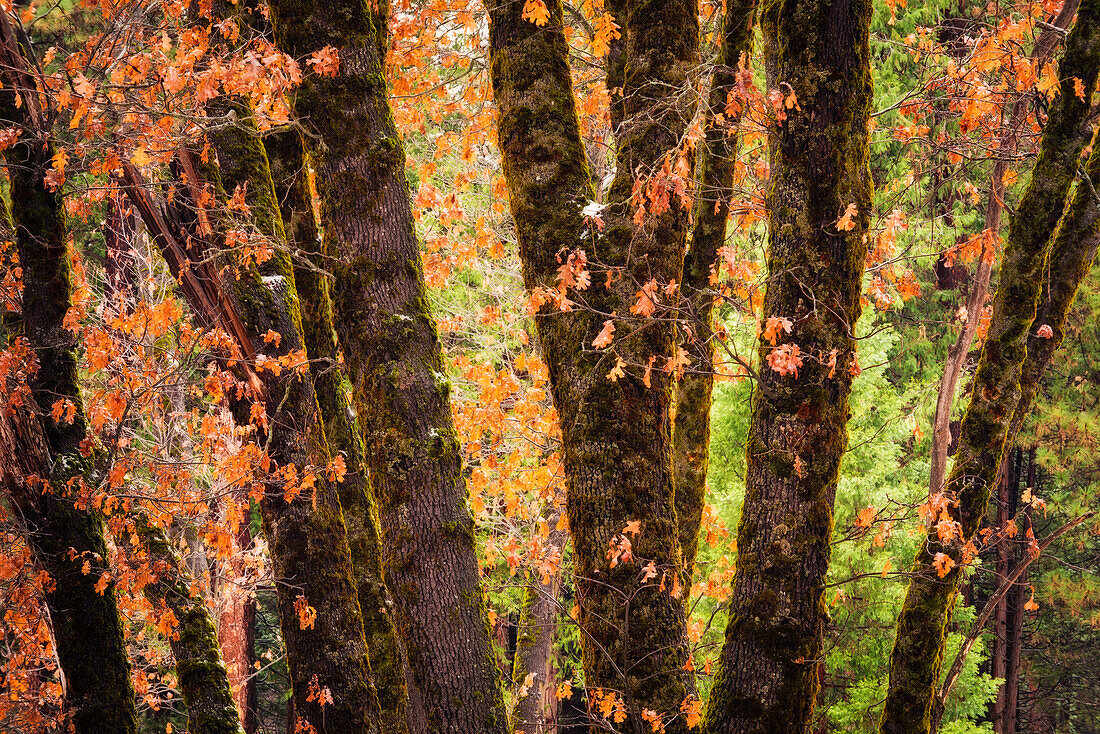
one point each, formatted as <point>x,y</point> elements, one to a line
<point>289,446</point>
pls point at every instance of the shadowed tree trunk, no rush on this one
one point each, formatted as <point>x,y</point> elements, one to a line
<point>395,365</point>
<point>44,461</point>
<point>768,675</point>
<point>538,626</point>
<point>616,433</point>
<point>922,626</point>
<point>715,166</point>
<point>308,539</point>
<point>342,429</point>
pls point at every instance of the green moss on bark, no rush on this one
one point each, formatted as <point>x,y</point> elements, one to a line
<point>342,430</point>
<point>395,365</point>
<point>203,678</point>
<point>616,435</point>
<point>767,679</point>
<point>921,631</point>
<point>307,536</point>
<point>715,169</point>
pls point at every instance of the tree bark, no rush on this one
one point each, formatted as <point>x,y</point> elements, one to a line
<point>956,358</point>
<point>306,534</point>
<point>716,165</point>
<point>768,675</point>
<point>922,626</point>
<point>538,626</point>
<point>395,364</point>
<point>342,429</point>
<point>616,433</point>
<point>63,533</point>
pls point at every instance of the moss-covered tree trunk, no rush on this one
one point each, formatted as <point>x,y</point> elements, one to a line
<point>305,530</point>
<point>616,433</point>
<point>203,677</point>
<point>86,624</point>
<point>715,173</point>
<point>1070,260</point>
<point>341,428</point>
<point>922,627</point>
<point>395,365</point>
<point>307,536</point>
<point>767,678</point>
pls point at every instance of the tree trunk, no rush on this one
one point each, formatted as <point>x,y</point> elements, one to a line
<point>395,364</point>
<point>236,625</point>
<point>306,535</point>
<point>538,626</point>
<point>616,433</point>
<point>768,676</point>
<point>203,677</point>
<point>716,165</point>
<point>956,358</point>
<point>87,627</point>
<point>922,626</point>
<point>342,429</point>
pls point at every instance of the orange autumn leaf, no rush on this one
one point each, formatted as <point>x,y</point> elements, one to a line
<point>535,11</point>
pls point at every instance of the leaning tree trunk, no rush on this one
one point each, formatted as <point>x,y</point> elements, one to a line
<point>768,675</point>
<point>203,677</point>
<point>395,364</point>
<point>342,429</point>
<point>975,300</point>
<point>306,535</point>
<point>716,165</point>
<point>1071,258</point>
<point>86,624</point>
<point>616,432</point>
<point>922,627</point>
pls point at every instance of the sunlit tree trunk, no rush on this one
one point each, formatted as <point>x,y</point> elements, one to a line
<point>395,365</point>
<point>715,173</point>
<point>922,626</point>
<point>86,624</point>
<point>768,674</point>
<point>616,433</point>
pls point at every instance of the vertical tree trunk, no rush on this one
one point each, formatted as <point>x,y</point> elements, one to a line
<point>342,430</point>
<point>616,433</point>
<point>203,677</point>
<point>1003,566</point>
<point>538,626</point>
<point>768,676</point>
<point>87,627</point>
<point>715,172</point>
<point>396,366</point>
<point>921,632</point>
<point>236,625</point>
